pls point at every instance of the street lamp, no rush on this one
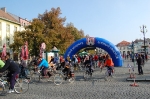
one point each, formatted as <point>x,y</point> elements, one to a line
<point>132,51</point>
<point>144,30</point>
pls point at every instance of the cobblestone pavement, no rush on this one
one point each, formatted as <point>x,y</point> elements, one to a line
<point>96,88</point>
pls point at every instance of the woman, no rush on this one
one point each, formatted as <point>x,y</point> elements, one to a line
<point>109,64</point>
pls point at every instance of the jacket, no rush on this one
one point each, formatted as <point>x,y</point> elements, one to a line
<point>11,66</point>
<point>43,63</point>
<point>109,62</point>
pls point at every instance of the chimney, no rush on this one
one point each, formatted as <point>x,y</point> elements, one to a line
<point>4,9</point>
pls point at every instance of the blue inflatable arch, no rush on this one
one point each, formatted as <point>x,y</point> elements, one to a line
<point>110,48</point>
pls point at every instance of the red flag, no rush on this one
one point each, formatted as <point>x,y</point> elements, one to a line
<point>4,51</point>
<point>24,51</point>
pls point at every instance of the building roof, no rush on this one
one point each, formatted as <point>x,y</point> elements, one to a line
<point>138,40</point>
<point>123,43</point>
<point>6,16</point>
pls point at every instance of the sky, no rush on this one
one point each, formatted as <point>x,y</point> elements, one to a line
<point>113,20</point>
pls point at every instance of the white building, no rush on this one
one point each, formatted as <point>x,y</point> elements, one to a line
<point>124,48</point>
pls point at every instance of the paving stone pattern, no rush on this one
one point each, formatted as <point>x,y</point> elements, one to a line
<point>96,88</point>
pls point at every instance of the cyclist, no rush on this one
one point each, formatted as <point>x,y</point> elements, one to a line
<point>67,70</point>
<point>109,64</point>
<point>43,65</point>
<point>87,63</point>
<point>13,70</point>
<point>23,66</point>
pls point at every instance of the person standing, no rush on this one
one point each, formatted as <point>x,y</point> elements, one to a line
<point>139,63</point>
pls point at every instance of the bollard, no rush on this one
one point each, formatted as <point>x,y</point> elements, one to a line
<point>131,74</point>
<point>134,83</point>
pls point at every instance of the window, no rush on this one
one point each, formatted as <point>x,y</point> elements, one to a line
<point>7,28</point>
<point>124,48</point>
<point>0,38</point>
<point>15,29</point>
<point>7,34</point>
<point>0,26</point>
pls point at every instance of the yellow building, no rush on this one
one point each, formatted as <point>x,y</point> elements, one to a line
<point>9,23</point>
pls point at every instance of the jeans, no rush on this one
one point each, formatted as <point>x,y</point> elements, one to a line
<point>110,69</point>
<point>12,79</point>
<point>44,71</point>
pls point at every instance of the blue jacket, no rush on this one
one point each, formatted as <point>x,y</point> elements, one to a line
<point>43,63</point>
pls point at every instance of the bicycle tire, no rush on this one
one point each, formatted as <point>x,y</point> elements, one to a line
<point>34,76</point>
<point>2,88</point>
<point>86,75</point>
<point>71,80</point>
<point>58,79</point>
<point>21,86</point>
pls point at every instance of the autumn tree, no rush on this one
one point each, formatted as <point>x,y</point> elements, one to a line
<point>49,28</point>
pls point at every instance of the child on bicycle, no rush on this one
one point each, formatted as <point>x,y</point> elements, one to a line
<point>109,64</point>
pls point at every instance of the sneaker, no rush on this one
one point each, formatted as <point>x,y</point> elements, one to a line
<point>11,90</point>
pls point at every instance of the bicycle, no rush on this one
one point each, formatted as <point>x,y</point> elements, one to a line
<point>21,85</point>
<point>101,65</point>
<point>78,67</point>
<point>36,75</point>
<point>88,72</point>
<point>62,76</point>
<point>109,72</point>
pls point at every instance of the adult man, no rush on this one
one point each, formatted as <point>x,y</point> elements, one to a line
<point>139,63</point>
<point>13,70</point>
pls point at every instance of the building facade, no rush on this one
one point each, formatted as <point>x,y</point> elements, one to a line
<point>136,47</point>
<point>9,24</point>
<point>124,48</point>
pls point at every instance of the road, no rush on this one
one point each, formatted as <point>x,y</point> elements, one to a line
<point>96,88</point>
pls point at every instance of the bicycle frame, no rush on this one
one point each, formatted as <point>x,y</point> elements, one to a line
<point>18,87</point>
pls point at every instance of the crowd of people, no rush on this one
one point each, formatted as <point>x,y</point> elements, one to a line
<point>40,63</point>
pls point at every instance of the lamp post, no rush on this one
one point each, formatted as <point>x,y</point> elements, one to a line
<point>144,30</point>
<point>132,51</point>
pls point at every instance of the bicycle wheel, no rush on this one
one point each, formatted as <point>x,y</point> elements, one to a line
<point>34,76</point>
<point>58,79</point>
<point>72,79</point>
<point>2,88</point>
<point>87,75</point>
<point>21,86</point>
